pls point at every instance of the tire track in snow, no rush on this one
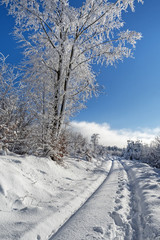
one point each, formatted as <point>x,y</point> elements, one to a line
<point>53,236</point>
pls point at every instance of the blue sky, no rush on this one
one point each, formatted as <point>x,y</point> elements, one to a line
<point>132,87</point>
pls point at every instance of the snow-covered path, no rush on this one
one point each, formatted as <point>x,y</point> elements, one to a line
<point>42,200</point>
<point>117,210</point>
<point>101,217</point>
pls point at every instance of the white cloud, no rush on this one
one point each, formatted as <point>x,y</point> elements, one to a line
<point>111,137</point>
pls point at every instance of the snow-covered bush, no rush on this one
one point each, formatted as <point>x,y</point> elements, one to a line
<point>133,150</point>
<point>77,144</point>
<point>155,153</point>
<point>146,153</point>
<point>15,120</point>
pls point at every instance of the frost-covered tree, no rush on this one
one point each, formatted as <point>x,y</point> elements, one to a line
<point>154,155</point>
<point>134,150</point>
<point>8,102</point>
<point>14,117</point>
<point>94,142</point>
<point>115,151</point>
<point>145,153</point>
<point>62,42</point>
<point>78,144</point>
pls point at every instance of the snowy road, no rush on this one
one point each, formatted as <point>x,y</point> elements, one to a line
<point>105,215</point>
<point>42,200</point>
<point>114,211</point>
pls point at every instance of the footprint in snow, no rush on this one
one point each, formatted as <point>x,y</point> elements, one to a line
<point>118,207</point>
<point>118,192</point>
<point>117,218</point>
<point>122,196</point>
<point>24,209</point>
<point>117,200</point>
<point>38,237</point>
<point>98,229</point>
<point>120,188</point>
<point>153,186</point>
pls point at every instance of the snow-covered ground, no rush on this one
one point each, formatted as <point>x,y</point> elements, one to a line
<point>144,186</point>
<point>125,207</point>
<point>37,197</point>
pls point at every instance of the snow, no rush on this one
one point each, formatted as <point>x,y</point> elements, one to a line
<point>37,195</point>
<point>145,182</point>
<point>104,216</point>
<point>111,198</point>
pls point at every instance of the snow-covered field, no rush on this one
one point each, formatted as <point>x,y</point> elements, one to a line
<point>37,197</point>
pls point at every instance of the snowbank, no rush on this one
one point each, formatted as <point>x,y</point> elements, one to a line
<point>146,189</point>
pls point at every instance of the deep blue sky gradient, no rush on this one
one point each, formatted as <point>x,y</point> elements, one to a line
<point>132,98</point>
<point>133,86</point>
